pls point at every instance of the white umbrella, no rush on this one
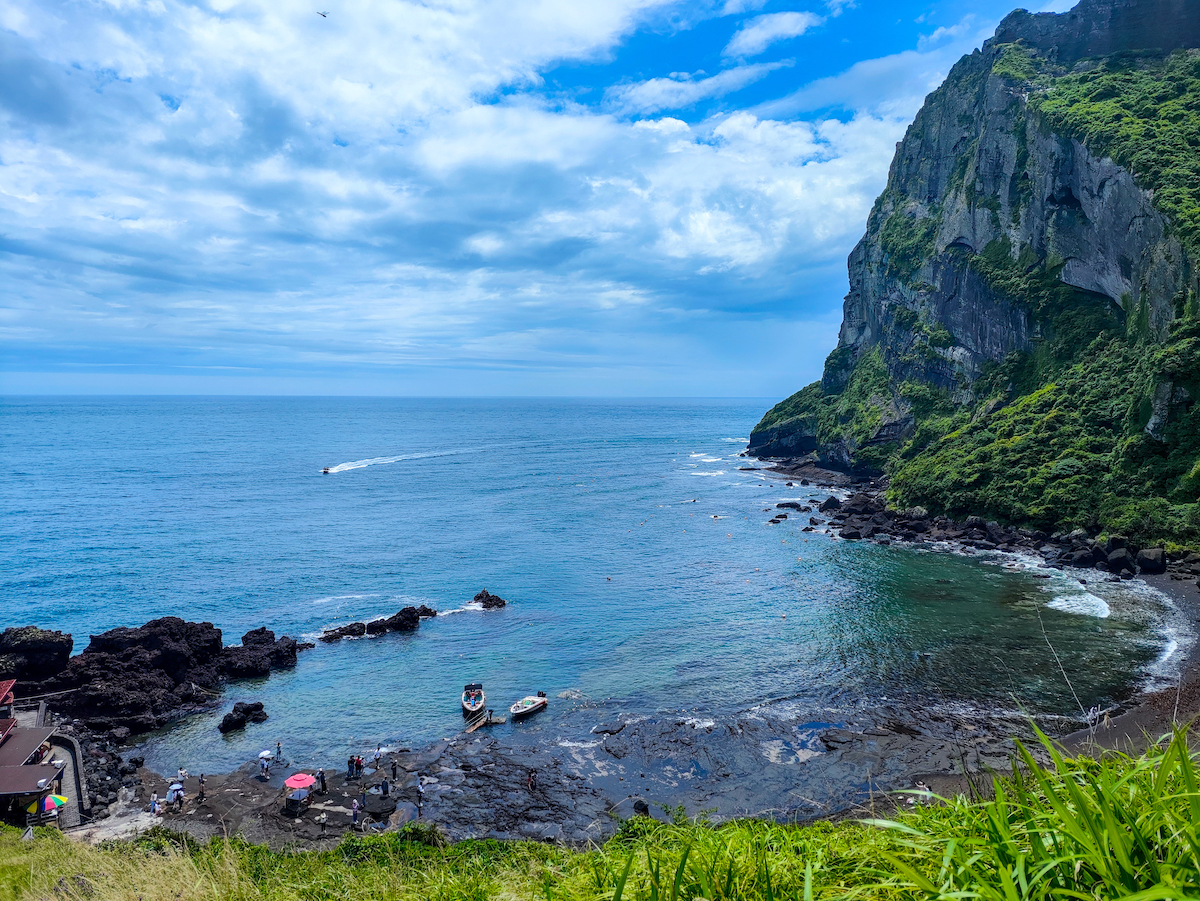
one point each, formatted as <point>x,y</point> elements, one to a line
<point>266,755</point>
<point>175,787</point>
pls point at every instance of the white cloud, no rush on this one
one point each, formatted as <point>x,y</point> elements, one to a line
<point>683,91</point>
<point>762,31</point>
<point>889,86</point>
<point>244,189</point>
<point>945,33</point>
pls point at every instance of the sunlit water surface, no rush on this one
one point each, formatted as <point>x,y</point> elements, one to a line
<point>634,551</point>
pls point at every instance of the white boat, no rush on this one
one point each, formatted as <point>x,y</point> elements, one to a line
<point>528,706</point>
<point>474,701</point>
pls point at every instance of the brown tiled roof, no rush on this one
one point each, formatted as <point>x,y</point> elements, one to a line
<point>23,780</point>
<point>6,688</point>
<point>20,744</point>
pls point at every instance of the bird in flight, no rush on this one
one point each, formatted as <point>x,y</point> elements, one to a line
<point>323,15</point>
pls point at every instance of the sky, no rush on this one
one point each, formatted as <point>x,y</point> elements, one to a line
<point>384,197</point>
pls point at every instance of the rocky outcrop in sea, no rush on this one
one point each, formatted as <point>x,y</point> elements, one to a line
<point>130,680</point>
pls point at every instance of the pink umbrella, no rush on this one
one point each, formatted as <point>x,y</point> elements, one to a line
<point>300,780</point>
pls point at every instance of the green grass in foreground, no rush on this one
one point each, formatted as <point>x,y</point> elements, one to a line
<point>1121,828</point>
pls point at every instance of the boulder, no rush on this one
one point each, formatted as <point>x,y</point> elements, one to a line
<point>1115,543</point>
<point>242,714</point>
<point>489,600</point>
<point>1151,560</point>
<point>830,503</point>
<point>852,534</point>
<point>32,654</point>
<point>1083,559</point>
<point>1120,560</point>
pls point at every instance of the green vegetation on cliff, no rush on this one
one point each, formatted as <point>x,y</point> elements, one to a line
<point>1099,424</point>
<point>1123,827</point>
<point>1143,112</point>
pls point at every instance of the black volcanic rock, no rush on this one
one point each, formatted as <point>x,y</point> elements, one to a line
<point>405,620</point>
<point>259,654</point>
<point>141,678</point>
<point>1151,560</point>
<point>489,600</point>
<point>242,714</point>
<point>32,654</point>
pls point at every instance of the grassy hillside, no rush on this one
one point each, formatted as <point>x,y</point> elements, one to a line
<point>1122,828</point>
<point>1057,439</point>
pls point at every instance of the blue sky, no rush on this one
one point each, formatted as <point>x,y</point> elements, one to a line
<point>529,197</point>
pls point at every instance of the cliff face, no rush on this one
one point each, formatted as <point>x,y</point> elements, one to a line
<point>981,178</point>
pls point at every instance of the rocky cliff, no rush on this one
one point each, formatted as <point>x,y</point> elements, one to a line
<point>1022,222</point>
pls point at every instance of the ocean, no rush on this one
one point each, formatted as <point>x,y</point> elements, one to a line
<point>628,536</point>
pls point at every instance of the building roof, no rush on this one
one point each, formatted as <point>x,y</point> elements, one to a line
<point>23,780</point>
<point>21,743</point>
<point>6,726</point>
<point>6,688</point>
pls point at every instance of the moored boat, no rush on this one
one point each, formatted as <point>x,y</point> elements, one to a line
<point>474,701</point>
<point>528,706</point>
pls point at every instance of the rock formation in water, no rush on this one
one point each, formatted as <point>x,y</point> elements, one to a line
<point>1041,216</point>
<point>137,679</point>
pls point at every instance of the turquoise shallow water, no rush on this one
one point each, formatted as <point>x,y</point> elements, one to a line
<point>641,572</point>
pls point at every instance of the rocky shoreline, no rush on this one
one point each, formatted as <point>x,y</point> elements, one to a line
<point>474,785</point>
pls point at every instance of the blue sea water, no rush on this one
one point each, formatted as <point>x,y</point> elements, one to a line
<point>635,553</point>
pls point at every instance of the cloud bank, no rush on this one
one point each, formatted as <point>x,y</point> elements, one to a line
<point>393,197</point>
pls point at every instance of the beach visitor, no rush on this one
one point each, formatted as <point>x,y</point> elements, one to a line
<point>378,755</point>
<point>349,767</point>
<point>384,787</point>
<point>420,796</point>
<point>531,781</point>
<point>393,771</point>
<point>183,774</point>
<point>154,802</point>
<point>354,812</point>
<point>362,799</point>
<point>321,779</point>
<point>200,794</point>
<point>279,750</point>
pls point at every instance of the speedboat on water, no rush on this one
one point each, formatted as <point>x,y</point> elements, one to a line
<point>473,699</point>
<point>325,470</point>
<point>528,706</point>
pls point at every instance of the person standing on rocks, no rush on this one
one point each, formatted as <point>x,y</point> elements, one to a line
<point>420,796</point>
<point>354,812</point>
<point>378,756</point>
<point>321,780</point>
<point>394,770</point>
<point>200,796</point>
<point>279,750</point>
<point>384,787</point>
<point>349,767</point>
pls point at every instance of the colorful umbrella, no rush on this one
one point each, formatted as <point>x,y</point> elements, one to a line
<point>50,802</point>
<point>300,780</point>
